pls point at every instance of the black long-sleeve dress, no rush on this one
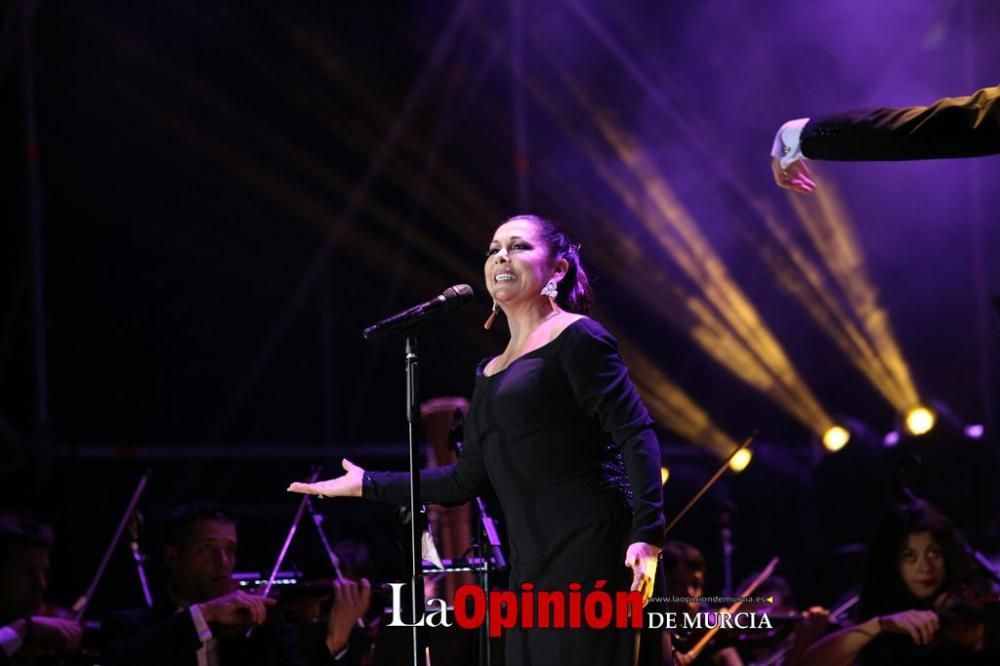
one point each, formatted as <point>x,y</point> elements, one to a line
<point>563,438</point>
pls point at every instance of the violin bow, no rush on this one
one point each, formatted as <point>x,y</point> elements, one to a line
<point>304,503</point>
<point>708,484</point>
<point>317,519</point>
<point>80,607</point>
<point>290,536</point>
<point>288,542</point>
<point>754,584</point>
<point>778,656</point>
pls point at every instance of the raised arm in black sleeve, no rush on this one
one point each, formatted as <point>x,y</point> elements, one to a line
<point>451,484</point>
<point>951,127</point>
<point>604,390</point>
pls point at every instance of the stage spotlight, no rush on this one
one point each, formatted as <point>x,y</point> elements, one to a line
<point>919,420</point>
<point>836,438</point>
<point>891,438</point>
<point>740,461</point>
<point>974,431</point>
<point>664,475</point>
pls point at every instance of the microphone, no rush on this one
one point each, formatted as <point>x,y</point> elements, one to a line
<point>451,298</point>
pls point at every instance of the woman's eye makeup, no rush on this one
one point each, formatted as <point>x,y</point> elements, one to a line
<point>516,246</point>
<point>910,556</point>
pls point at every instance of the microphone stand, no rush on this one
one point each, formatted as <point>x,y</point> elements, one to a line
<point>417,513</point>
<point>408,323</point>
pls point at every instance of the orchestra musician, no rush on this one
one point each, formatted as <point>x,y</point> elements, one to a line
<point>794,630</point>
<point>914,560</point>
<point>26,626</point>
<point>202,618</point>
<point>684,567</point>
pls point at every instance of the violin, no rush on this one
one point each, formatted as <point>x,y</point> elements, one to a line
<point>302,600</point>
<point>963,613</point>
<point>49,653</point>
<point>774,650</point>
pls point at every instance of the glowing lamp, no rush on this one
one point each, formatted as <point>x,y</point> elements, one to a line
<point>919,420</point>
<point>740,461</point>
<point>836,438</point>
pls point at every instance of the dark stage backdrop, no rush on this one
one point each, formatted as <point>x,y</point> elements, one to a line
<point>230,191</point>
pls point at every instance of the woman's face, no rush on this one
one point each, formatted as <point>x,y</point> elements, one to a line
<point>517,263</point>
<point>921,565</point>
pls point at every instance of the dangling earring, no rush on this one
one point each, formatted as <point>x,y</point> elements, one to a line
<point>493,316</point>
<point>550,289</point>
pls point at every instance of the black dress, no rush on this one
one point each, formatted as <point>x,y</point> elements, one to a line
<point>563,438</point>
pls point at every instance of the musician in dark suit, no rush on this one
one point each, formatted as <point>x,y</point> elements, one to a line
<point>28,627</point>
<point>951,127</point>
<point>202,619</point>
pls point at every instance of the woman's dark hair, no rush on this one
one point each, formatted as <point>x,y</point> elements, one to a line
<point>574,293</point>
<point>883,590</point>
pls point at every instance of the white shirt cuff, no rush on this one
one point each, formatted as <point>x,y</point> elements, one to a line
<point>787,142</point>
<point>204,631</point>
<point>10,640</point>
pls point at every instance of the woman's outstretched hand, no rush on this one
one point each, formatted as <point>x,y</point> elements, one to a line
<point>348,485</point>
<point>642,558</point>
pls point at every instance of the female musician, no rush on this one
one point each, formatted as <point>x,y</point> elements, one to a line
<point>684,567</point>
<point>557,430</point>
<point>913,559</point>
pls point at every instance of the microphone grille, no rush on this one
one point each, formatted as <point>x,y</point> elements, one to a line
<point>456,296</point>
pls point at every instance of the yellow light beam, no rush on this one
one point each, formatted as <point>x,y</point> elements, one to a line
<point>671,406</point>
<point>832,234</point>
<point>880,358</point>
<point>722,320</point>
